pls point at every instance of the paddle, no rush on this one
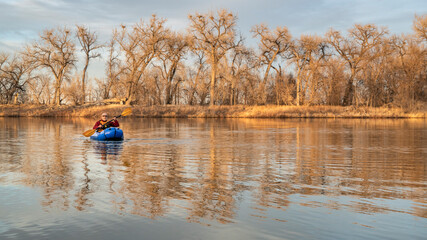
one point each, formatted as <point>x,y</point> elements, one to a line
<point>125,112</point>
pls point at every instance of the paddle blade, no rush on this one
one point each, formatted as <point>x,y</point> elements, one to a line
<point>89,133</point>
<point>126,112</point>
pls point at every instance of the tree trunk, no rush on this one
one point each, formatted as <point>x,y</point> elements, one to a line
<point>233,99</point>
<point>58,95</point>
<point>278,95</point>
<point>213,79</point>
<point>298,86</point>
<point>129,94</point>
<point>168,97</point>
<point>15,100</point>
<point>264,83</point>
<point>84,81</point>
<point>349,90</point>
<point>348,95</point>
<point>169,89</point>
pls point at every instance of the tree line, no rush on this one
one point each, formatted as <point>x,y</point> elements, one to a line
<point>148,63</point>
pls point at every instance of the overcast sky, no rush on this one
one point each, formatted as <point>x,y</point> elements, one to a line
<point>22,20</point>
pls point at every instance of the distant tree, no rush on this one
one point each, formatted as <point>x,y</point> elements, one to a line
<point>196,81</point>
<point>110,86</point>
<point>39,89</point>
<point>14,74</point>
<point>55,52</point>
<point>333,80</point>
<point>140,46</point>
<point>72,93</point>
<point>420,26</point>
<point>148,63</point>
<point>377,75</point>
<point>354,50</point>
<point>410,70</point>
<point>237,68</point>
<point>89,44</point>
<point>305,52</point>
<point>273,44</point>
<point>175,48</point>
<point>215,35</point>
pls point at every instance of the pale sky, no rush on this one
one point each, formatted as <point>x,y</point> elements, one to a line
<point>22,20</point>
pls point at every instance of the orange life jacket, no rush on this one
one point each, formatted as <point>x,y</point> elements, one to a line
<point>102,123</point>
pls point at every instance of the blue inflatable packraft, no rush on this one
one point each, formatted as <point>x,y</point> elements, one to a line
<point>109,134</point>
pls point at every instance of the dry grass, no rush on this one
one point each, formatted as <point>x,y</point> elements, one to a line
<point>210,112</point>
<point>88,110</point>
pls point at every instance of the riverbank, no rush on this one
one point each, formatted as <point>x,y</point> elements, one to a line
<point>210,112</point>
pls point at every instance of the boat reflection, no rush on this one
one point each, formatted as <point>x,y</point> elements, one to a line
<point>107,149</point>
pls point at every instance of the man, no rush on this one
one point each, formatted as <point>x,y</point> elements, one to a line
<point>104,120</point>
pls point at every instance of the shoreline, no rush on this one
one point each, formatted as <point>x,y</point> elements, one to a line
<point>238,111</point>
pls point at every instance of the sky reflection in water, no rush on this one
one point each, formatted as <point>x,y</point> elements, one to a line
<point>213,179</point>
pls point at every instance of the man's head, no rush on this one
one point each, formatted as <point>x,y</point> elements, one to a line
<point>104,116</point>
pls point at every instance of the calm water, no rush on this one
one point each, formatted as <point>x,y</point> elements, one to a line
<point>214,179</point>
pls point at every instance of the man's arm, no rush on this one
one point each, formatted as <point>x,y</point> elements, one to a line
<point>115,123</point>
<point>96,125</point>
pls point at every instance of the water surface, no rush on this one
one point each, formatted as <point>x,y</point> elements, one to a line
<point>214,179</point>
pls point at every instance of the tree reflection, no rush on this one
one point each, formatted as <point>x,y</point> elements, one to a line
<point>205,167</point>
<point>52,171</point>
<point>82,200</point>
<point>213,193</point>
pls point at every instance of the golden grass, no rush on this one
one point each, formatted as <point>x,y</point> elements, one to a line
<point>240,111</point>
<point>89,110</point>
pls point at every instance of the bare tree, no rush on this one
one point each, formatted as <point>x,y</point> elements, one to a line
<point>306,51</point>
<point>333,80</point>
<point>196,81</point>
<point>420,26</point>
<point>114,70</point>
<point>237,68</point>
<point>54,51</point>
<point>72,91</point>
<point>175,48</point>
<point>146,64</point>
<point>140,46</point>
<point>354,50</point>
<point>14,74</point>
<point>89,42</point>
<point>215,35</point>
<point>411,69</point>
<point>38,89</point>
<point>375,87</point>
<point>273,44</point>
